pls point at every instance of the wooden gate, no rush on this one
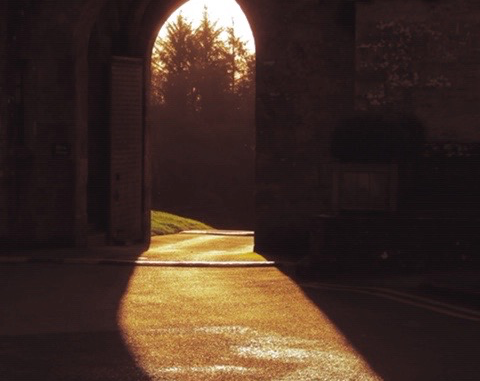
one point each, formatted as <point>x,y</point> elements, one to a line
<point>126,150</point>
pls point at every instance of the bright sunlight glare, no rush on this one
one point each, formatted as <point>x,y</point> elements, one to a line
<point>225,12</point>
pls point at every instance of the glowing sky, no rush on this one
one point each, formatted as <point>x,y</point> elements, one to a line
<point>223,11</point>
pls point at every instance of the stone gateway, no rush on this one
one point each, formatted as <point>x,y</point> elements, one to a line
<point>364,109</point>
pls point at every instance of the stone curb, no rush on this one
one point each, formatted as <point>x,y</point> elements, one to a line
<point>133,262</point>
<point>229,233</point>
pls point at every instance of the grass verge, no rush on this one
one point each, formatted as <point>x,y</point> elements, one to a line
<point>166,223</point>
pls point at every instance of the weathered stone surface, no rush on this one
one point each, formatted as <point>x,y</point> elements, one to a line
<point>422,58</point>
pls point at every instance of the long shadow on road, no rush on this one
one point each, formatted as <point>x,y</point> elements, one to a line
<point>59,322</point>
<point>401,341</point>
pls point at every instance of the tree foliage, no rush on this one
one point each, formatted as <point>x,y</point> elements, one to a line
<point>205,71</point>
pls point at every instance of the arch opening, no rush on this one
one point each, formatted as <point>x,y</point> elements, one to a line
<point>201,115</point>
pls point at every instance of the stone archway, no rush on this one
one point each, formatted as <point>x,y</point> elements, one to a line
<point>203,148</point>
<point>127,175</point>
<point>304,87</point>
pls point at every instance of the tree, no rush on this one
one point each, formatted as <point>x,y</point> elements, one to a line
<point>172,61</point>
<point>201,72</point>
<point>209,74</point>
<point>241,70</point>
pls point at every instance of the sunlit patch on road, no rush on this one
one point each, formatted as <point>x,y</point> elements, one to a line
<point>313,364</point>
<point>207,370</point>
<point>189,243</point>
<point>205,247</point>
<point>232,324</point>
<point>255,354</point>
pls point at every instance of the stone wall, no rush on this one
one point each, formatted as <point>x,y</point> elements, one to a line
<point>422,58</point>
<point>40,120</point>
<point>304,87</point>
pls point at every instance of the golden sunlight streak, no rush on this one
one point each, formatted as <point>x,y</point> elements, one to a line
<point>248,324</point>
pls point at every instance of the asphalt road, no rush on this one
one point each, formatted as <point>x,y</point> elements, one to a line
<point>65,322</point>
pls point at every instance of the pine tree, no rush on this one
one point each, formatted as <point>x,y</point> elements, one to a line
<point>241,70</point>
<point>172,61</point>
<point>210,69</point>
